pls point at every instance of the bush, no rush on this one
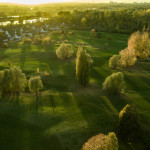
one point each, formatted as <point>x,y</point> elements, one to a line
<point>114,84</point>
<point>27,40</point>
<point>93,33</point>
<point>102,142</point>
<point>114,62</point>
<point>84,21</point>
<point>70,33</point>
<point>62,37</point>
<point>37,40</point>
<point>46,41</point>
<point>56,32</point>
<point>4,45</point>
<point>128,123</point>
<point>64,51</point>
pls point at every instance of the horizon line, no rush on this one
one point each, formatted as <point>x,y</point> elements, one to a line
<point>72,2</point>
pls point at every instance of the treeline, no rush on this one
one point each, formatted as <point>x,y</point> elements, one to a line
<point>120,20</point>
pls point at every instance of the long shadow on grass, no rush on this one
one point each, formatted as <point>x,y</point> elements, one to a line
<point>97,111</point>
<point>99,74</point>
<point>100,111</point>
<point>52,102</point>
<point>22,129</point>
<point>25,49</point>
<point>140,84</point>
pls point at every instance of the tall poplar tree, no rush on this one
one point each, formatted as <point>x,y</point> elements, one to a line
<point>82,66</point>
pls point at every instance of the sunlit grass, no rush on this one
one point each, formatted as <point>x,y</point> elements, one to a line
<point>67,114</point>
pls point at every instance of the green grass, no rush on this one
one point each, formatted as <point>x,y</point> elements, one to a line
<point>67,114</point>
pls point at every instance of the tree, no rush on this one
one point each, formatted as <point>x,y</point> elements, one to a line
<point>82,66</point>
<point>83,20</point>
<point>114,62</point>
<point>27,40</point>
<point>102,142</point>
<point>128,122</point>
<point>93,33</point>
<point>112,141</point>
<point>1,79</point>
<point>35,84</point>
<point>127,57</point>
<point>13,81</point>
<point>37,40</point>
<point>18,81</point>
<point>140,44</point>
<point>148,29</point>
<point>6,82</point>
<point>65,51</point>
<point>114,84</point>
<point>90,59</point>
<point>144,29</point>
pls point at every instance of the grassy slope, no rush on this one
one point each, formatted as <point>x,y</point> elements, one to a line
<point>67,114</point>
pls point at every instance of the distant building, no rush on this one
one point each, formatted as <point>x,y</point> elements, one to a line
<point>1,30</point>
<point>42,30</point>
<point>7,33</point>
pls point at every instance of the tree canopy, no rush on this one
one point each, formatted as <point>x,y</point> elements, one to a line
<point>114,84</point>
<point>102,142</point>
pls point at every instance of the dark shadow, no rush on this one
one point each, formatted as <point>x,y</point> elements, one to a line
<point>52,102</point>
<point>25,49</point>
<point>21,128</point>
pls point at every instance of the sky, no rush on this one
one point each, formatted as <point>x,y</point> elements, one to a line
<point>52,1</point>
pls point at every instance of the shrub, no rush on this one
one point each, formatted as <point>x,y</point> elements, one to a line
<point>27,40</point>
<point>102,142</point>
<point>128,122</point>
<point>4,45</point>
<point>93,33</point>
<point>114,84</point>
<point>84,21</point>
<point>56,32</point>
<point>70,33</point>
<point>114,62</point>
<point>46,41</point>
<point>62,37</point>
<point>37,40</point>
<point>65,51</point>
<point>144,29</point>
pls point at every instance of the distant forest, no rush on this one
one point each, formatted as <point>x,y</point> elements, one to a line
<point>120,18</point>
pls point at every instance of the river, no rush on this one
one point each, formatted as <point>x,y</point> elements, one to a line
<point>5,23</point>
